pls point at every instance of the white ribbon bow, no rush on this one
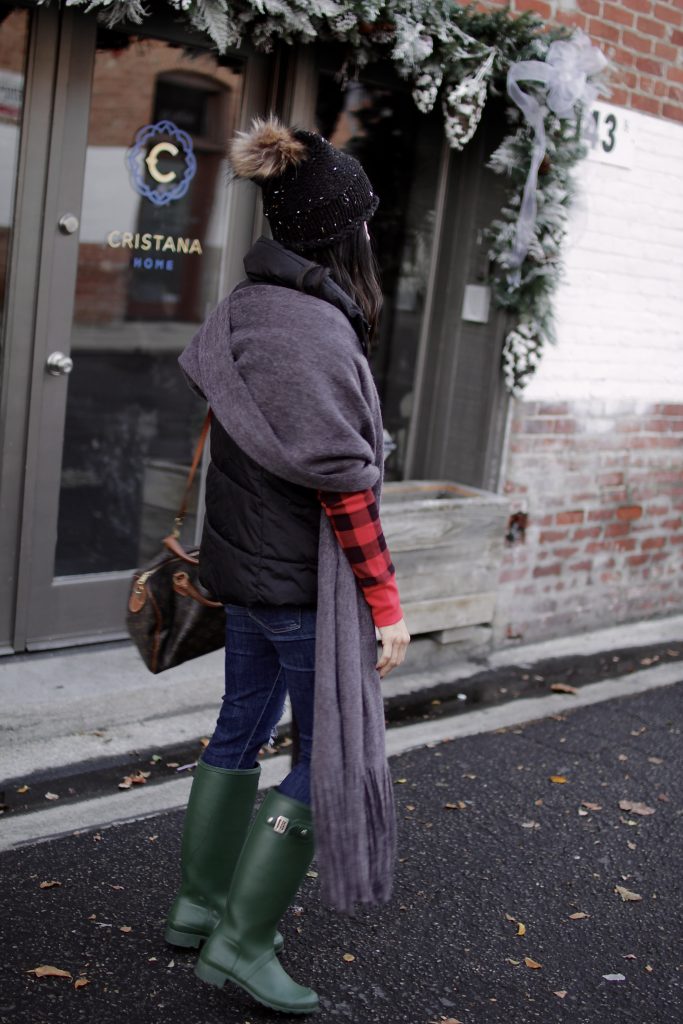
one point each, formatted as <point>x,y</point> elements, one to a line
<point>566,71</point>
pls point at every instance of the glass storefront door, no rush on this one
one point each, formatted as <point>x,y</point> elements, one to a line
<point>401,151</point>
<point>137,232</point>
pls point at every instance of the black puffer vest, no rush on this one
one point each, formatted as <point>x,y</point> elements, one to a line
<point>260,538</point>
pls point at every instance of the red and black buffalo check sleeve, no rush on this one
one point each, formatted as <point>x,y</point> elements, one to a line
<point>355,520</point>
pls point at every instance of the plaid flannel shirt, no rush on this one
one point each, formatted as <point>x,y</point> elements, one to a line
<point>355,520</point>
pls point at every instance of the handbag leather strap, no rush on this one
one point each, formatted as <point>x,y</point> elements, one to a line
<point>173,540</point>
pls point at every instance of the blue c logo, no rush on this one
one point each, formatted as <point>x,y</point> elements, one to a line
<point>163,139</point>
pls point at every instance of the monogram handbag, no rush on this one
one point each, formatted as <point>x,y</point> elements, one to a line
<point>171,619</point>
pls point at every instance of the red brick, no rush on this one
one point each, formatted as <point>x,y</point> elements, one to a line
<point>675,93</point>
<point>636,42</point>
<point>648,65</point>
<point>626,544</point>
<point>637,560</point>
<point>615,12</point>
<point>595,547</point>
<point>589,6</point>
<point>618,97</point>
<point>676,538</point>
<point>564,518</point>
<point>587,533</point>
<point>512,574</point>
<point>628,512</point>
<point>548,570</point>
<point>653,542</point>
<point>602,30</point>
<point>565,552</point>
<point>600,514</point>
<point>585,566</point>
<point>666,52</point>
<point>550,536</point>
<point>649,106</point>
<point>664,13</point>
<point>650,27</point>
<point>571,18</point>
<point>670,111</point>
<point>642,6</point>
<point>539,6</point>
<point>657,510</point>
<point>671,524</point>
<point>677,38</point>
<point>610,479</point>
<point>616,529</point>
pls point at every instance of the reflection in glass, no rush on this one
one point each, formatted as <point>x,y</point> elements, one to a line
<point>148,273</point>
<point>400,150</point>
<point>13,45</point>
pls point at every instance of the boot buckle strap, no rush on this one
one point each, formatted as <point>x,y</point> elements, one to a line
<point>281,824</point>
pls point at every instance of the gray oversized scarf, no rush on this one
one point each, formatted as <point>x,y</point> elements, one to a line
<point>285,374</point>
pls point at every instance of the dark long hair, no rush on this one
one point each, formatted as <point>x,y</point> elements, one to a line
<point>352,265</point>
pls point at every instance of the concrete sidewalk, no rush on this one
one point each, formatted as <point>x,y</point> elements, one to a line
<point>491,839</point>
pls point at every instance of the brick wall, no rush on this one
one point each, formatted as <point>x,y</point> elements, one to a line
<point>602,484</point>
<point>595,450</point>
<point>642,38</point>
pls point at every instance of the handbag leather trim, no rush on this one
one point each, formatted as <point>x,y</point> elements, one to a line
<point>182,584</point>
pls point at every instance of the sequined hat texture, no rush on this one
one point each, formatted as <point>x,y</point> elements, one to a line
<point>313,194</point>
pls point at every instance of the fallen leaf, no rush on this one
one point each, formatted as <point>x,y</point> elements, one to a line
<point>626,894</point>
<point>459,805</point>
<point>563,688</point>
<point>590,806</point>
<point>52,796</point>
<point>649,968</point>
<point>81,982</point>
<point>663,797</point>
<point>47,971</point>
<point>558,778</point>
<point>515,963</point>
<point>349,958</point>
<point>521,928</point>
<point>152,839</point>
<point>445,1020</point>
<point>631,846</point>
<point>23,789</point>
<point>622,757</point>
<point>614,977</point>
<point>629,956</point>
<point>311,874</point>
<point>561,994</point>
<point>530,824</point>
<point>49,885</point>
<point>636,807</point>
<point>93,917</point>
<point>119,887</point>
<point>126,783</point>
<point>400,782</point>
<point>578,916</point>
<point>204,741</point>
<point>509,917</point>
<point>125,928</point>
<point>173,764</point>
<point>539,802</point>
<point>155,758</point>
<point>582,812</point>
<point>652,760</point>
<point>469,775</point>
<point>640,731</point>
<point>533,964</point>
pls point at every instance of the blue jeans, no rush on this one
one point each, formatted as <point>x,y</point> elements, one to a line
<point>269,653</point>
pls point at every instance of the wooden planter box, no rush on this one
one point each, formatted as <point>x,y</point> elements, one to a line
<point>446,541</point>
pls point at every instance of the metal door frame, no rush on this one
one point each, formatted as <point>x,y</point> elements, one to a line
<point>38,611</point>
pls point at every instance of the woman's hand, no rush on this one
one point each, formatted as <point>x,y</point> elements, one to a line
<point>395,640</point>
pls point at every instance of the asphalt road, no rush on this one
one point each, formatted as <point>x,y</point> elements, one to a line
<point>487,841</point>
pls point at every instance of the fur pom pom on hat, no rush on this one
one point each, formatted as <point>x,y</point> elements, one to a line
<point>313,194</point>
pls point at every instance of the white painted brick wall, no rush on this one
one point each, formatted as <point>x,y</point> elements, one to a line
<point>619,309</point>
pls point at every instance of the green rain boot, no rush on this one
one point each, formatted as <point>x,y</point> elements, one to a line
<point>216,825</point>
<point>275,858</point>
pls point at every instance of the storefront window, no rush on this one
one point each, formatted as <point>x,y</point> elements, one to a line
<point>400,150</point>
<point>149,269</point>
<point>13,45</point>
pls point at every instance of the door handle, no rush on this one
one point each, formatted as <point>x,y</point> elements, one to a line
<point>58,364</point>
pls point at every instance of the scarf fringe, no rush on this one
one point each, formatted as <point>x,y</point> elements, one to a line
<point>356,844</point>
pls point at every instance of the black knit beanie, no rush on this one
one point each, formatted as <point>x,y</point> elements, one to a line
<point>313,194</point>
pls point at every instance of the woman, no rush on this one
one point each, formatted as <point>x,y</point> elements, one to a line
<point>293,546</point>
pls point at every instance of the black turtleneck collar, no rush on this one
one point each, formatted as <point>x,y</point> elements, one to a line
<point>269,262</point>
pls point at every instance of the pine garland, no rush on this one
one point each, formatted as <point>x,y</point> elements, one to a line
<point>454,53</point>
